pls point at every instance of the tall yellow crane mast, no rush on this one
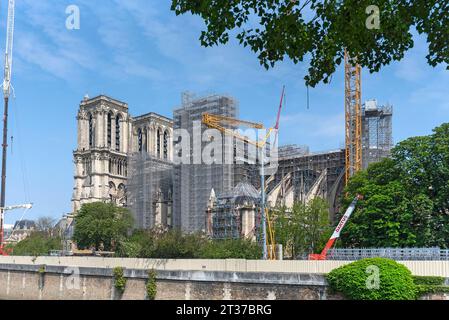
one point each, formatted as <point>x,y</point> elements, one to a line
<point>353,117</point>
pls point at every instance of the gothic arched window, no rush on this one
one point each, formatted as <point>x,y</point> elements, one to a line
<point>165,145</point>
<point>158,143</point>
<point>117,133</point>
<point>144,140</point>
<point>91,131</point>
<point>109,129</point>
<point>139,140</point>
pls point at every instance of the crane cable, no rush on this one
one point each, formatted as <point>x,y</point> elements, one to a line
<point>23,169</point>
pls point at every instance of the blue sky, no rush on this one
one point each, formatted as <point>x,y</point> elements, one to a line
<point>139,52</point>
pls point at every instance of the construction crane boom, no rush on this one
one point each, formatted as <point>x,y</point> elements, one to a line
<point>8,49</point>
<point>218,122</point>
<point>6,93</point>
<point>337,231</point>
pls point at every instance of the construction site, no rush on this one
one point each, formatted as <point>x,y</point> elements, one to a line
<point>129,161</point>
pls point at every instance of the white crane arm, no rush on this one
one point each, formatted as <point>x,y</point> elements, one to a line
<point>8,49</point>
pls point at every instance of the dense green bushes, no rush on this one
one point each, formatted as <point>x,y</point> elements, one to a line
<point>37,244</point>
<point>373,279</point>
<point>174,244</point>
<point>425,285</point>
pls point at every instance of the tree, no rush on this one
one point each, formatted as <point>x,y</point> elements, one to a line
<point>406,198</point>
<point>303,229</point>
<point>101,225</point>
<point>46,225</point>
<point>321,30</point>
<point>36,244</point>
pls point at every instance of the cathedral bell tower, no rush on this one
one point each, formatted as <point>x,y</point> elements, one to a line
<point>101,158</point>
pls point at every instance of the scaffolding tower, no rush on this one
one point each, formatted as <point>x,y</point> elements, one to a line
<point>377,137</point>
<point>193,182</point>
<point>150,190</point>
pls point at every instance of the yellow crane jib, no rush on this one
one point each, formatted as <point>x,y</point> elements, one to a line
<point>218,122</point>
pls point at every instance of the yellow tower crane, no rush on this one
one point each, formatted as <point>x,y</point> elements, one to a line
<point>353,117</point>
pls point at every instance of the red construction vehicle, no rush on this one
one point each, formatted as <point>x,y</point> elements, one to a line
<point>336,234</point>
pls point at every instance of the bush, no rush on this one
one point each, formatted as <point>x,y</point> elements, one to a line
<point>231,249</point>
<point>119,279</point>
<point>354,280</point>
<point>425,285</point>
<point>426,280</point>
<point>151,285</point>
<point>37,244</point>
<point>174,244</point>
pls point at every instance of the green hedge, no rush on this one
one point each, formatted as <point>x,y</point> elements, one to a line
<point>430,281</point>
<point>355,280</point>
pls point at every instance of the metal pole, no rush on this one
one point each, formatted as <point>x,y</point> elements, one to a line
<point>4,153</point>
<point>262,205</point>
<point>3,183</point>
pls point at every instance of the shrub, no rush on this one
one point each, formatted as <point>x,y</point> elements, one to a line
<point>426,284</point>
<point>119,279</point>
<point>231,249</point>
<point>151,285</point>
<point>352,280</point>
<point>426,280</point>
<point>37,244</point>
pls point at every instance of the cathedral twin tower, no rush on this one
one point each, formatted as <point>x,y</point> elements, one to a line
<point>107,137</point>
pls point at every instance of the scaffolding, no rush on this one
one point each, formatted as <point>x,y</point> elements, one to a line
<point>377,138</point>
<point>234,213</point>
<point>306,171</point>
<point>193,182</point>
<point>353,117</point>
<point>150,190</point>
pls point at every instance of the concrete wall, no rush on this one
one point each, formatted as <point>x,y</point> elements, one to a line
<point>422,268</point>
<point>85,278</point>
<point>87,283</point>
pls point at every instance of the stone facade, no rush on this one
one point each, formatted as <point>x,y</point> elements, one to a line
<point>107,137</point>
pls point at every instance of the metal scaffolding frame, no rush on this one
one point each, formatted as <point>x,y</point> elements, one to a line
<point>377,137</point>
<point>149,190</point>
<point>228,209</point>
<point>193,182</point>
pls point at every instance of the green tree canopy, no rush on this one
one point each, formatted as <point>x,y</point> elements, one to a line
<point>321,30</point>
<point>304,229</point>
<point>406,198</point>
<point>101,225</point>
<point>38,243</point>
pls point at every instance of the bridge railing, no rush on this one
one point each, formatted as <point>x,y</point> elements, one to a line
<point>415,254</point>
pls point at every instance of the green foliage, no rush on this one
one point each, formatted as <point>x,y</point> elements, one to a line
<point>427,280</point>
<point>303,230</point>
<point>395,280</point>
<point>151,285</point>
<point>119,279</point>
<point>321,30</point>
<point>37,244</point>
<point>173,244</point>
<point>405,198</point>
<point>41,269</point>
<point>101,225</point>
<point>232,248</point>
<point>426,285</point>
<point>423,289</point>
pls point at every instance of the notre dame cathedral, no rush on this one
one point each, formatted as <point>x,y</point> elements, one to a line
<point>115,152</point>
